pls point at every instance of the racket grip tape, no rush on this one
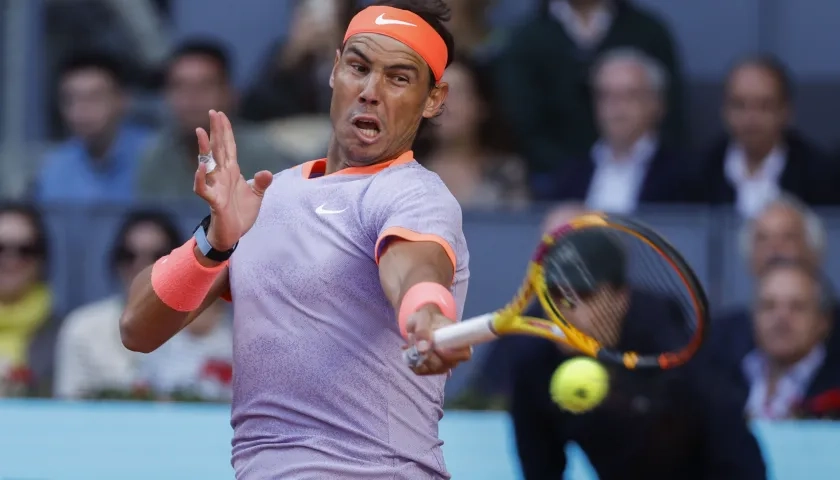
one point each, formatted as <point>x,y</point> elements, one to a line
<point>463,334</point>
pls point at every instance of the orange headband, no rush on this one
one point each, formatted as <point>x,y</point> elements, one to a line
<point>406,27</point>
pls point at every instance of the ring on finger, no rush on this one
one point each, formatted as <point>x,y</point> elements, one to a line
<point>208,160</point>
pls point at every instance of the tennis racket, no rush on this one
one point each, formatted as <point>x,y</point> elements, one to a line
<point>585,275</point>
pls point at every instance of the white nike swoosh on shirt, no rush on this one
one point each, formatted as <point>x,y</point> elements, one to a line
<point>323,211</point>
<point>381,20</point>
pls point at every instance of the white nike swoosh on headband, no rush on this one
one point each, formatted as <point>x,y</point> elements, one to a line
<point>381,20</point>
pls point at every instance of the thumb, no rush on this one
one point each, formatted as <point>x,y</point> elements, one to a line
<point>262,180</point>
<point>420,324</point>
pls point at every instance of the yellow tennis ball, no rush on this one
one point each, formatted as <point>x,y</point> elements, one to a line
<point>579,385</point>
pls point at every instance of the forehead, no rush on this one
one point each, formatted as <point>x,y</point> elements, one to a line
<point>195,65</point>
<point>753,79</point>
<point>88,77</point>
<point>621,71</point>
<point>787,281</point>
<point>780,218</point>
<point>15,224</point>
<point>382,49</point>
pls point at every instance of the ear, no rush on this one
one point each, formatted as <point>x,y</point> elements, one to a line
<point>435,100</point>
<point>335,65</point>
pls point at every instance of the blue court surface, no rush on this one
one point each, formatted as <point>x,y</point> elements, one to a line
<point>45,440</point>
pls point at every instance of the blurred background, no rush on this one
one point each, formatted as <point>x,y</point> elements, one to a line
<point>714,121</point>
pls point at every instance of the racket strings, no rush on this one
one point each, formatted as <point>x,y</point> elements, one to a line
<point>650,271</point>
<point>592,288</point>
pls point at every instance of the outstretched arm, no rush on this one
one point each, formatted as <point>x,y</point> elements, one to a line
<point>407,265</point>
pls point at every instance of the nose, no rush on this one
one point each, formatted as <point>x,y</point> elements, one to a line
<point>370,93</point>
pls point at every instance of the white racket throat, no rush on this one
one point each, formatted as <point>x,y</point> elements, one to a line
<point>463,334</point>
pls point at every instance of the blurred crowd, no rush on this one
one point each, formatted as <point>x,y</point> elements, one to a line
<point>581,104</point>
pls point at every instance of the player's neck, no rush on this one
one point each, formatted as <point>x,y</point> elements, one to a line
<point>338,159</point>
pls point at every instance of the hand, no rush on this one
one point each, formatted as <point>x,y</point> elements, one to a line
<point>438,361</point>
<point>234,203</point>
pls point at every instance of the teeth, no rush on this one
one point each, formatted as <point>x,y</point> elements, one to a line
<point>369,132</point>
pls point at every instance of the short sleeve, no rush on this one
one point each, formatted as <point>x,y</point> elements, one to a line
<point>422,214</point>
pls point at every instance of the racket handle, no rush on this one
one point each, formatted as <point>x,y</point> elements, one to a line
<point>465,333</point>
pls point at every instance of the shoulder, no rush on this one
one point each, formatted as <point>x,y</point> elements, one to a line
<point>59,155</point>
<point>412,181</point>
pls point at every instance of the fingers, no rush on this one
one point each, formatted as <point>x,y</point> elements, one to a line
<point>200,186</point>
<point>262,180</point>
<point>419,326</point>
<point>230,143</point>
<point>203,141</point>
<point>217,136</point>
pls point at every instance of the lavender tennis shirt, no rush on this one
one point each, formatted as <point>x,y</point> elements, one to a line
<point>320,388</point>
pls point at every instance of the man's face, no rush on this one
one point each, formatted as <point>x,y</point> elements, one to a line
<point>755,111</point>
<point>380,94</point>
<point>599,314</point>
<point>91,103</point>
<point>788,322</point>
<point>627,107</point>
<point>196,84</point>
<point>780,234</point>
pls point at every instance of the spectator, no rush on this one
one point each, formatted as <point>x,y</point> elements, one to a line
<point>295,80</point>
<point>90,357</point>
<point>785,229</point>
<point>543,77</point>
<point>99,161</point>
<point>683,423</point>
<point>761,154</point>
<point>629,164</point>
<point>790,365</point>
<point>198,80</point>
<point>27,327</point>
<point>197,363</point>
<point>462,145</point>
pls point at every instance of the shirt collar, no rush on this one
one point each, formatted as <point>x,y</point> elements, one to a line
<point>640,154</point>
<point>587,35</point>
<point>754,365</point>
<point>735,165</point>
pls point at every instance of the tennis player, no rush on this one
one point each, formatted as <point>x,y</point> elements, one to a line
<point>333,267</point>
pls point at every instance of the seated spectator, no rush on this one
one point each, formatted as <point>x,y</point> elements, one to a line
<point>761,155</point>
<point>785,229</point>
<point>27,326</point>
<point>90,356</point>
<point>197,363</point>
<point>630,164</point>
<point>542,78</point>
<point>198,80</point>
<point>462,145</point>
<point>98,163</point>
<point>791,363</point>
<point>295,78</point>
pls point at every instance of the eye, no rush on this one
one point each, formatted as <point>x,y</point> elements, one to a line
<point>401,79</point>
<point>359,67</point>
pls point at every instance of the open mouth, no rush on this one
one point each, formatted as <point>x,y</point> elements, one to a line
<point>368,128</point>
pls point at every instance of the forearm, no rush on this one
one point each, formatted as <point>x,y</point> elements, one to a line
<point>148,322</point>
<point>406,264</point>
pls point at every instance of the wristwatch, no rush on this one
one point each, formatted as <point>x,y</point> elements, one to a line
<point>204,246</point>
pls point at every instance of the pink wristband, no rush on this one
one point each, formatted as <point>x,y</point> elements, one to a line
<point>422,294</point>
<point>180,281</point>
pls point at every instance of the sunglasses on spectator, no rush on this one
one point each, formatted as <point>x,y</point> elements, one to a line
<point>125,255</point>
<point>19,250</point>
